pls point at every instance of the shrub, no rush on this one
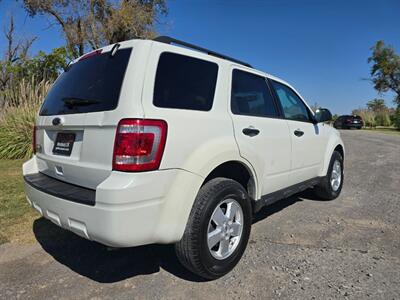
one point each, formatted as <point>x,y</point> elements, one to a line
<point>368,117</point>
<point>396,118</point>
<point>17,118</point>
<point>383,118</point>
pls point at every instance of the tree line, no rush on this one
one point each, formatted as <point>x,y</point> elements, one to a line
<point>85,26</point>
<point>385,76</point>
<point>90,24</point>
<point>376,113</point>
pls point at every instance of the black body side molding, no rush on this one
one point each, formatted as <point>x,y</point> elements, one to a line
<point>284,193</point>
<point>61,189</point>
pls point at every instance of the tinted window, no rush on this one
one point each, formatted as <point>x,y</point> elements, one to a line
<point>90,85</point>
<point>293,107</point>
<point>185,82</point>
<point>251,95</point>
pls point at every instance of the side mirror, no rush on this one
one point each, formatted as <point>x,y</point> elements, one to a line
<point>322,115</point>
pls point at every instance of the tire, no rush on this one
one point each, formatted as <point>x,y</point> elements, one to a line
<point>193,249</point>
<point>325,189</point>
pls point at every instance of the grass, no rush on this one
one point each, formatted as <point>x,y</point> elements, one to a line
<point>16,216</point>
<point>18,116</point>
<point>388,130</point>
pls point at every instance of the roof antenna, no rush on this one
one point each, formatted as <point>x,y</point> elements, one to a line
<point>114,49</point>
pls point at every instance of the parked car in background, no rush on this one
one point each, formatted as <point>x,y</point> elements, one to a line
<point>348,122</point>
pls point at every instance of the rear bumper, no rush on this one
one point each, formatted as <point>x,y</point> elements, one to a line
<point>61,189</point>
<point>130,209</point>
<point>352,125</point>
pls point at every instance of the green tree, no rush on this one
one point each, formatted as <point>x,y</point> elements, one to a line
<point>377,105</point>
<point>396,118</point>
<point>17,66</point>
<point>381,112</point>
<point>95,23</point>
<point>44,66</point>
<point>385,70</point>
<point>16,50</point>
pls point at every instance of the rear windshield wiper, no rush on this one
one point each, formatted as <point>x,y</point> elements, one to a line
<point>73,102</point>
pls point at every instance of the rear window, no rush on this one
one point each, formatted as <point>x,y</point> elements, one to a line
<point>90,85</point>
<point>184,82</point>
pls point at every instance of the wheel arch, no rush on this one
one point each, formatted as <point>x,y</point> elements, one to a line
<point>215,167</point>
<point>339,148</point>
<point>333,145</point>
<point>238,171</point>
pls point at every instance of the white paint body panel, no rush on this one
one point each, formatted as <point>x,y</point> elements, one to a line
<point>153,207</point>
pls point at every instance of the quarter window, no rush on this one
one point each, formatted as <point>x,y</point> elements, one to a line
<point>293,107</point>
<point>251,95</point>
<point>184,82</point>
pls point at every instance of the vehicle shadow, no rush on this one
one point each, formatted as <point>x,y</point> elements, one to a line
<point>269,210</point>
<point>105,265</point>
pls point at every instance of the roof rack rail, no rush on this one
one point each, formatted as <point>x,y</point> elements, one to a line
<point>170,40</point>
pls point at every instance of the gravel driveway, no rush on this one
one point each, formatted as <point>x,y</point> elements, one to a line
<point>299,248</point>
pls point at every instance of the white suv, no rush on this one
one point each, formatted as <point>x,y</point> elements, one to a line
<point>147,141</point>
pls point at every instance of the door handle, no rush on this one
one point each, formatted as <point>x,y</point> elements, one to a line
<point>250,131</point>
<point>298,132</point>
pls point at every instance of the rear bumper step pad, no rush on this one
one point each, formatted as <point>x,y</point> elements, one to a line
<point>61,189</point>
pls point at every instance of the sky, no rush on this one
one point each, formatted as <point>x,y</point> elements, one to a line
<point>319,47</point>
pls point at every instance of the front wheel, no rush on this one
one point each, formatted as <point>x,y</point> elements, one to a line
<point>331,185</point>
<point>218,229</point>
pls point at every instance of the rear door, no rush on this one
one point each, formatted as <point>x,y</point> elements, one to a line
<point>308,139</point>
<point>77,121</point>
<point>262,136</point>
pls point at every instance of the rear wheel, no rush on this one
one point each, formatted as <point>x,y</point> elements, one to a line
<point>331,185</point>
<point>218,229</point>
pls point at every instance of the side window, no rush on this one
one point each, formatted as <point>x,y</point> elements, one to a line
<point>251,95</point>
<point>184,82</point>
<point>293,107</point>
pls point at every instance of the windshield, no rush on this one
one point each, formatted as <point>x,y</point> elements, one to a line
<point>90,85</point>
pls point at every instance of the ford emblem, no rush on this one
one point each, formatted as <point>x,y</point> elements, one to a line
<point>56,121</point>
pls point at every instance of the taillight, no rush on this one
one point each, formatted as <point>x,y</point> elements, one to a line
<point>34,140</point>
<point>139,145</point>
